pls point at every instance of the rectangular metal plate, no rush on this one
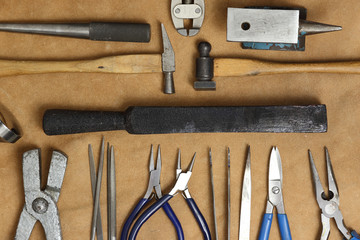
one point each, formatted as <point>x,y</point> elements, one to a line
<point>262,25</point>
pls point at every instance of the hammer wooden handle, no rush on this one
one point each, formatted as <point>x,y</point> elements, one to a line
<point>147,63</point>
<point>226,67</point>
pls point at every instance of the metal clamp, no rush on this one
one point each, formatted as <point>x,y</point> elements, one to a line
<point>181,10</point>
<point>8,135</point>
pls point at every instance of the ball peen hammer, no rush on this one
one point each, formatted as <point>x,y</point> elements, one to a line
<point>136,63</point>
<point>207,68</point>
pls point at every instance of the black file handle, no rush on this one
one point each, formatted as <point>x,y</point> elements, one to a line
<point>122,32</point>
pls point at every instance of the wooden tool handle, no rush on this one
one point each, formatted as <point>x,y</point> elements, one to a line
<point>226,67</point>
<point>118,64</point>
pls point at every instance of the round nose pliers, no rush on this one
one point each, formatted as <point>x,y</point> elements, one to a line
<point>154,183</point>
<point>181,185</point>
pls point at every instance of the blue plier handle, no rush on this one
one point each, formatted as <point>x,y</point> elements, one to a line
<point>168,210</point>
<point>283,225</point>
<point>160,203</point>
<point>355,236</point>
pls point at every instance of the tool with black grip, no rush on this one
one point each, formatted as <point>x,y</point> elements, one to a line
<point>160,120</point>
<point>98,31</point>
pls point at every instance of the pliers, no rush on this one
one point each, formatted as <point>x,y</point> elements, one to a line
<point>181,185</point>
<point>275,199</point>
<point>154,183</point>
<point>329,204</point>
<point>41,205</point>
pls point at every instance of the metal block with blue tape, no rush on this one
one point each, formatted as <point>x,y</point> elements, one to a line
<point>268,28</point>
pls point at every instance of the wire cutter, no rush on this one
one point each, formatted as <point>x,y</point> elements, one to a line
<point>181,185</point>
<point>154,183</point>
<point>275,199</point>
<point>41,205</point>
<point>329,204</point>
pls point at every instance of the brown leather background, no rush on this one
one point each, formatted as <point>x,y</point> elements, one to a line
<point>25,98</point>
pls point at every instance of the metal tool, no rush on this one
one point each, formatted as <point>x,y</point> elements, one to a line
<point>154,183</point>
<point>99,31</point>
<point>275,199</point>
<point>41,205</point>
<point>134,64</point>
<point>207,68</point>
<point>99,232</point>
<point>229,196</point>
<point>97,192</point>
<point>268,28</point>
<point>329,203</point>
<point>213,194</point>
<point>111,193</point>
<point>160,120</point>
<point>8,135</point>
<point>188,9</point>
<point>181,185</point>
<point>245,212</point>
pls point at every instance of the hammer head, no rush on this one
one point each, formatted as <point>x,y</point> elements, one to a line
<point>204,68</point>
<point>168,63</point>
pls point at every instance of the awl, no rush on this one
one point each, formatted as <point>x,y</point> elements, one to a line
<point>99,31</point>
<point>160,120</point>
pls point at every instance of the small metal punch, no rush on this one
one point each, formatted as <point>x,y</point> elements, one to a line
<point>187,9</point>
<point>8,135</point>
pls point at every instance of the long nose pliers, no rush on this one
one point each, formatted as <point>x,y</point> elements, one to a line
<point>154,183</point>
<point>181,185</point>
<point>329,204</point>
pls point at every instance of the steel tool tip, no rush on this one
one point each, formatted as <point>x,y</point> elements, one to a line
<point>179,160</point>
<point>192,163</point>
<point>308,28</point>
<point>158,159</point>
<point>151,164</point>
<point>210,157</point>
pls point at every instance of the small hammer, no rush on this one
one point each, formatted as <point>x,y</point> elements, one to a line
<point>207,68</point>
<point>137,63</point>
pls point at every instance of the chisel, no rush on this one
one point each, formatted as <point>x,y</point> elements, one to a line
<point>98,31</point>
<point>160,120</point>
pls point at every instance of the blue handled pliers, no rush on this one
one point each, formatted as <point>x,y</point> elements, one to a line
<point>329,204</point>
<point>154,183</point>
<point>275,199</point>
<point>180,186</point>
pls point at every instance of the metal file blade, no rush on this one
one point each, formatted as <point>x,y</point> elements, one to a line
<point>244,228</point>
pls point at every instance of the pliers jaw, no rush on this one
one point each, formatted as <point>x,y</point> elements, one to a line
<point>41,205</point>
<point>183,179</point>
<point>329,204</point>
<point>154,178</point>
<point>181,10</point>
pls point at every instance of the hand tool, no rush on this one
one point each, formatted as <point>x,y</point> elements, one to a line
<point>269,28</point>
<point>229,196</point>
<point>213,194</point>
<point>181,185</point>
<point>8,135</point>
<point>97,192</point>
<point>329,203</point>
<point>187,9</point>
<point>207,68</point>
<point>99,232</point>
<point>99,31</point>
<point>275,199</point>
<point>159,120</point>
<point>245,212</point>
<point>41,205</point>
<point>154,183</point>
<point>135,63</point>
<point>111,193</point>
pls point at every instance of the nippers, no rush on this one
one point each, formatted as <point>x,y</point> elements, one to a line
<point>275,199</point>
<point>154,183</point>
<point>181,185</point>
<point>187,9</point>
<point>329,204</point>
<point>41,205</point>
